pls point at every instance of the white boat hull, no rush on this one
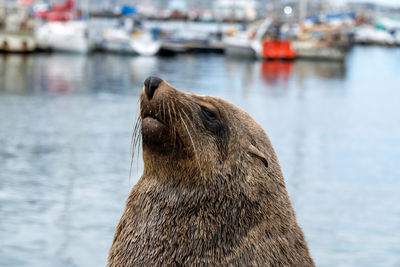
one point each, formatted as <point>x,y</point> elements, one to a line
<point>371,35</point>
<point>69,37</point>
<point>119,41</point>
<point>311,50</point>
<point>239,46</point>
<point>240,51</point>
<point>145,48</point>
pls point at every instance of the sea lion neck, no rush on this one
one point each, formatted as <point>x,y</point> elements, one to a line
<point>179,170</point>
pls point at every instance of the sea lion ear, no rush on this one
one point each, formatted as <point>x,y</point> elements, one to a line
<point>253,151</point>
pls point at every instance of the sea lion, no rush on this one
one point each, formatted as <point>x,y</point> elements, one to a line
<point>212,191</point>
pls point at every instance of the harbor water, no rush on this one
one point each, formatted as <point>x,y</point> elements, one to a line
<point>66,124</point>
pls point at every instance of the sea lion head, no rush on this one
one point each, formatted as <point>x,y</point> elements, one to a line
<point>186,136</point>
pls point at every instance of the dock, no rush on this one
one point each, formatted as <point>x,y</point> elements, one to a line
<point>183,47</point>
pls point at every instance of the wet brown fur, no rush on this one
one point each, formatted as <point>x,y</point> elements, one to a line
<point>207,197</point>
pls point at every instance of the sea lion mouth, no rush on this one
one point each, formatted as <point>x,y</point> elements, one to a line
<point>148,115</point>
<point>158,132</point>
<point>154,131</point>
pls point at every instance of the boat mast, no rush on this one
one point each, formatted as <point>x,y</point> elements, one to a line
<point>85,9</point>
<point>302,10</point>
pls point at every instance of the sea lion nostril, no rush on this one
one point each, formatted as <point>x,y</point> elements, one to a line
<point>151,84</point>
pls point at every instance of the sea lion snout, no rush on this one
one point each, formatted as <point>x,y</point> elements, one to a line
<point>157,112</point>
<point>151,84</point>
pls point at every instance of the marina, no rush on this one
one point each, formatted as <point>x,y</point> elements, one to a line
<point>284,32</point>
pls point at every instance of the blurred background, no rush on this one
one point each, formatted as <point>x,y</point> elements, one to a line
<point>322,78</point>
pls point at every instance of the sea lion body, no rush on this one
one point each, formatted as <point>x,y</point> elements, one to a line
<point>212,191</point>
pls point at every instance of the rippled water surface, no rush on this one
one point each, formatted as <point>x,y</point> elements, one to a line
<point>66,123</point>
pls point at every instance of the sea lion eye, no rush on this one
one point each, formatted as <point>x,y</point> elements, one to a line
<point>208,113</point>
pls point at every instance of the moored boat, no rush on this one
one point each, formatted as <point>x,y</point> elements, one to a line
<point>16,29</point>
<point>70,36</point>
<point>314,49</point>
<point>370,35</point>
<point>239,45</point>
<point>17,42</point>
<point>121,41</point>
<point>144,44</point>
<point>247,43</point>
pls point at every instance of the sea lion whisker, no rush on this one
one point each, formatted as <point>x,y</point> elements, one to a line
<point>174,134</point>
<point>135,143</point>
<point>187,116</point>
<point>138,138</point>
<point>164,115</point>
<point>191,140</point>
<point>135,127</point>
<point>184,105</point>
<point>131,153</point>
<point>137,132</point>
<point>190,123</point>
<point>171,128</point>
